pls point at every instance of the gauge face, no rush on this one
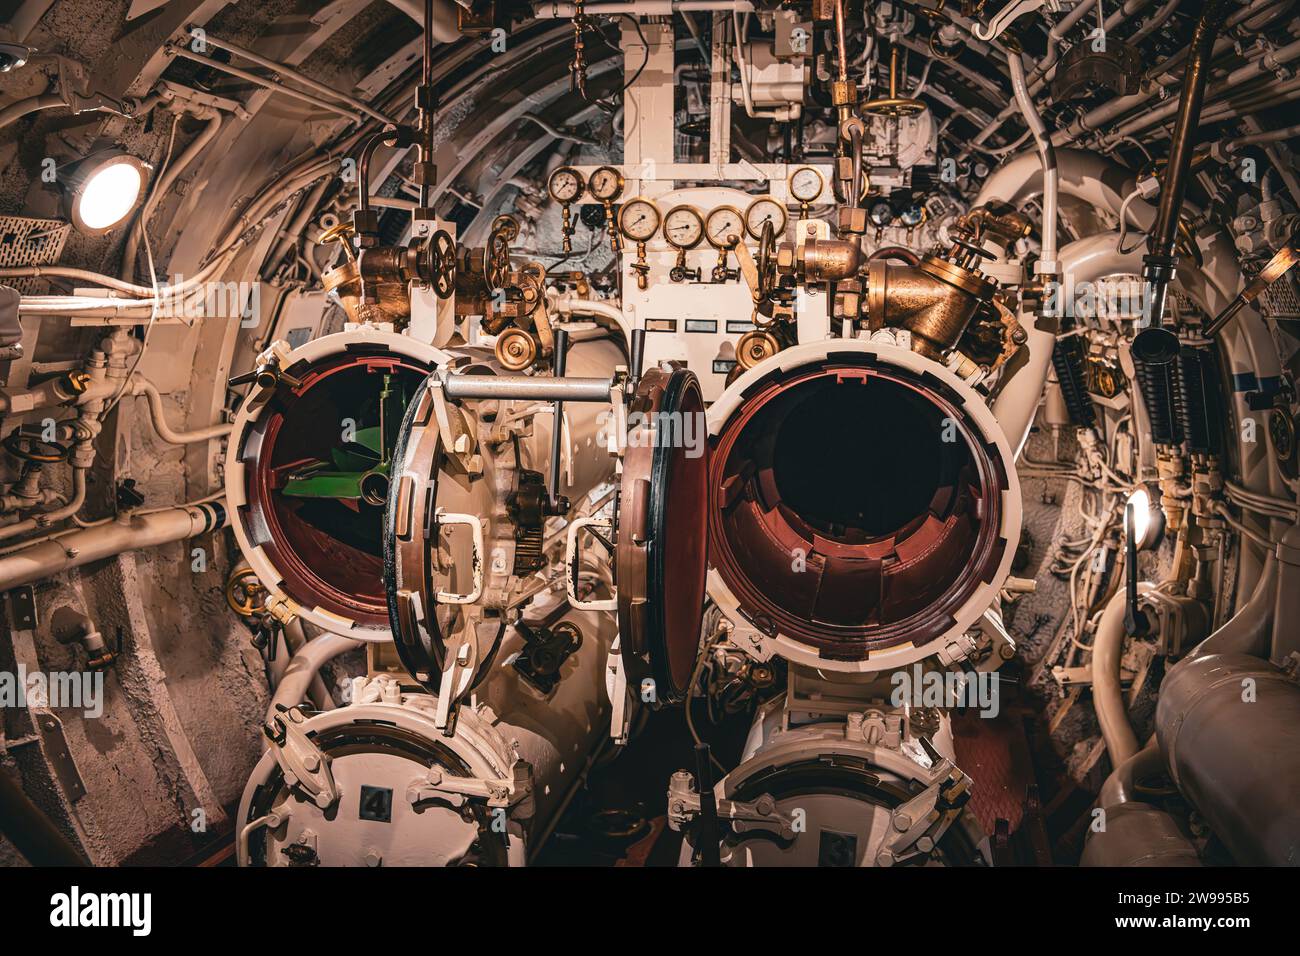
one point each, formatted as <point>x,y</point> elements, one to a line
<point>912,216</point>
<point>606,184</point>
<point>683,227</point>
<point>725,227</point>
<point>881,213</point>
<point>639,219</point>
<point>565,184</point>
<point>806,184</point>
<point>765,210</point>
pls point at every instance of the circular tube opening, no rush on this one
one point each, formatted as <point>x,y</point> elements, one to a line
<point>854,507</point>
<point>317,480</point>
<point>374,488</point>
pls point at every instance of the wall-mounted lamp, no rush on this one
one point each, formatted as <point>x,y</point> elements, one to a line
<point>102,190</point>
<point>1146,519</point>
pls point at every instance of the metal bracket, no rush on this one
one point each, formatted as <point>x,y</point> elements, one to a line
<point>1010,13</point>
<point>922,821</point>
<point>303,764</point>
<point>760,814</point>
<point>494,791</point>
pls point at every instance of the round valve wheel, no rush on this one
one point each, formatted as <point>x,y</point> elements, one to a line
<point>442,261</point>
<point>496,259</point>
<point>26,446</point>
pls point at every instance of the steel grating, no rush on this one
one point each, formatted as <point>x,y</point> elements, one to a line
<point>31,242</point>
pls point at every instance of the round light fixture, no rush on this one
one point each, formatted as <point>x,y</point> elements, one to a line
<point>1147,521</point>
<point>104,189</point>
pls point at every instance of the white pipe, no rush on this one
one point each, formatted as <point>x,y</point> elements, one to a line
<point>305,667</point>
<point>45,518</point>
<point>1047,264</point>
<point>1086,260</point>
<point>165,431</point>
<point>569,304</point>
<point>644,8</point>
<point>747,97</point>
<point>24,19</point>
<point>295,636</point>
<point>129,533</point>
<point>17,110</point>
<point>1107,694</point>
<point>163,186</point>
<point>1248,631</point>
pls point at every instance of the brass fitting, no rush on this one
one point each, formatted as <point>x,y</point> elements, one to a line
<point>934,301</point>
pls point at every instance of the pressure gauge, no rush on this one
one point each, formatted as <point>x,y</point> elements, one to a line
<point>725,227</point>
<point>912,215</point>
<point>683,227</point>
<point>565,184</point>
<point>806,184</point>
<point>762,210</point>
<point>639,219</point>
<point>606,184</point>
<point>881,214</point>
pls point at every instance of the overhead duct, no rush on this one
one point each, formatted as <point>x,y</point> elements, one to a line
<point>446,18</point>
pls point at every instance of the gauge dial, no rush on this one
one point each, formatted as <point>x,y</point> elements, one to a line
<point>881,213</point>
<point>683,227</point>
<point>765,209</point>
<point>806,184</point>
<point>912,216</point>
<point>725,227</point>
<point>606,184</point>
<point>639,219</point>
<point>565,184</point>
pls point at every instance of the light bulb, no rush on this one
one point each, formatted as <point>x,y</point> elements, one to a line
<point>109,195</point>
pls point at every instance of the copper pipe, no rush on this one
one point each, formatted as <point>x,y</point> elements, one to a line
<point>841,46</point>
<point>1160,262</point>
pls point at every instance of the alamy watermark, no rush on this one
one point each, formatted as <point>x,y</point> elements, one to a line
<point>216,300</point>
<point>56,690</point>
<point>75,909</point>
<point>685,430</point>
<point>921,688</point>
<point>1121,299</point>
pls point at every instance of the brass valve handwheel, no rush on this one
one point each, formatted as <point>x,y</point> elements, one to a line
<point>765,262</point>
<point>893,104</point>
<point>25,446</point>
<point>442,264</point>
<point>508,225</point>
<point>496,259</point>
<point>245,593</point>
<point>936,13</point>
<point>339,231</point>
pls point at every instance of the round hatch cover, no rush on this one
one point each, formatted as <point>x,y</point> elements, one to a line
<point>663,534</point>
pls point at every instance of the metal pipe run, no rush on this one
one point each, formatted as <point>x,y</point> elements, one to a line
<point>1160,261</point>
<point>129,533</point>
<point>300,77</point>
<point>526,388</point>
<point>267,84</point>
